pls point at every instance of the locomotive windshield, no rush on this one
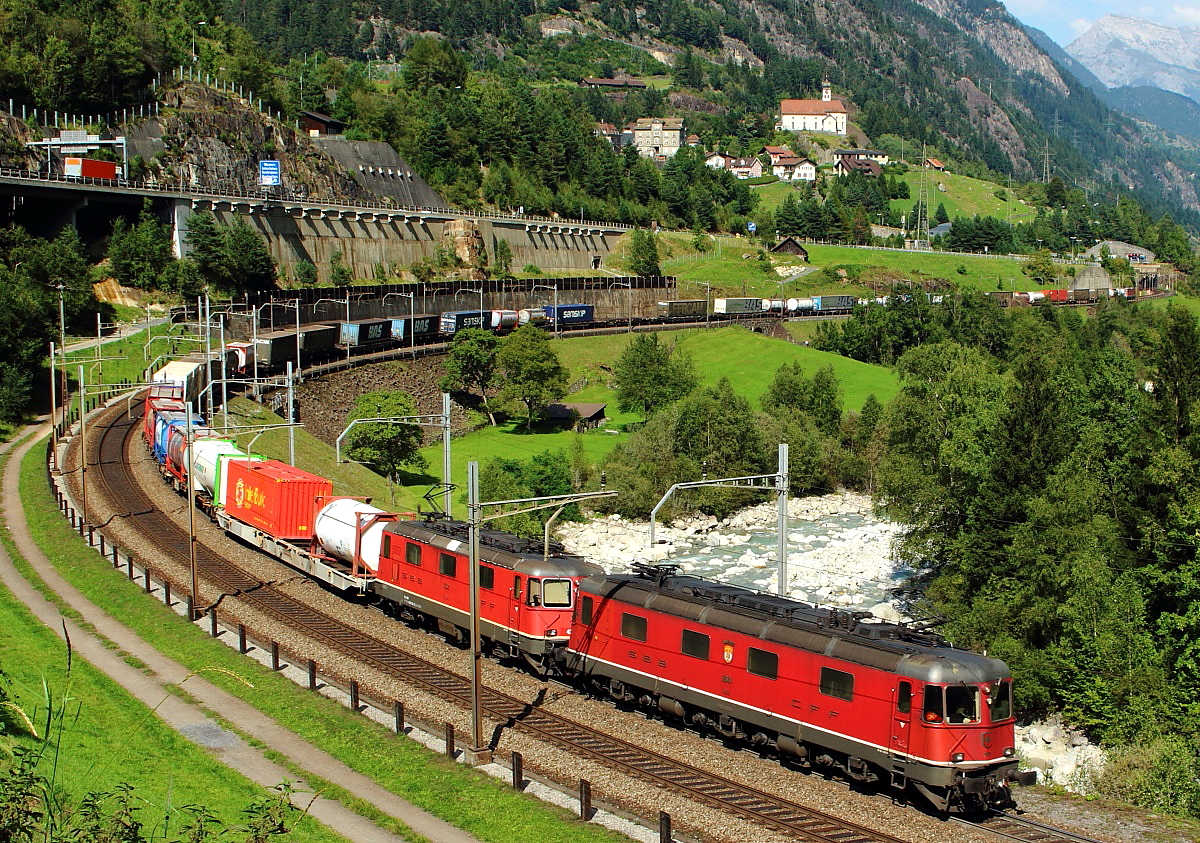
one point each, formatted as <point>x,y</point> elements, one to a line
<point>1000,701</point>
<point>552,594</point>
<point>962,704</point>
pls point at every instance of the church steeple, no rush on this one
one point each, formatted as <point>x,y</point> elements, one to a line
<point>826,91</point>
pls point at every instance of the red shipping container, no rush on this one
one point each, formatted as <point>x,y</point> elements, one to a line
<point>90,168</point>
<point>1057,296</point>
<point>99,169</point>
<point>274,497</point>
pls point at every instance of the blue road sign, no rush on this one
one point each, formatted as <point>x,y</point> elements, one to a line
<point>751,227</point>
<point>268,174</point>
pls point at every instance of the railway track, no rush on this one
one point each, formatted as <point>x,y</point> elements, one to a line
<point>1013,827</point>
<point>118,483</point>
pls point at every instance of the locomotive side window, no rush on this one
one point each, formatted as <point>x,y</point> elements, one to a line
<point>934,711</point>
<point>556,594</point>
<point>517,588</point>
<point>387,546</point>
<point>633,626</point>
<point>904,698</point>
<point>447,564</point>
<point>1000,702</point>
<point>412,554</point>
<point>535,593</point>
<point>487,577</point>
<point>694,644</point>
<point>962,703</point>
<point>837,683</point>
<point>762,663</point>
<point>585,612</point>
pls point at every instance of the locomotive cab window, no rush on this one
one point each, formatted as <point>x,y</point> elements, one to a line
<point>999,701</point>
<point>386,550</point>
<point>585,611</point>
<point>904,698</point>
<point>487,577</point>
<point>633,626</point>
<point>556,594</point>
<point>762,663</point>
<point>412,554</point>
<point>694,644</point>
<point>535,593</point>
<point>962,704</point>
<point>837,683</point>
<point>447,564</point>
<point>934,706</point>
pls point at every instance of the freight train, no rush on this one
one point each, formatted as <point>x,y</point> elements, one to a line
<point>819,688</point>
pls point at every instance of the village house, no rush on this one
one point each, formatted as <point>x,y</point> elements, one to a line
<point>824,115</point>
<point>880,158</point>
<point>746,168</point>
<point>658,137</point>
<point>792,168</point>
<point>866,166</point>
<point>778,152</point>
<point>718,160</point>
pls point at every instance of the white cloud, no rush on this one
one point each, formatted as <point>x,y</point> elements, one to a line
<point>1080,25</point>
<point>1189,15</point>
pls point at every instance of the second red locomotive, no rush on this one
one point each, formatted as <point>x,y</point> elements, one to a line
<point>881,702</point>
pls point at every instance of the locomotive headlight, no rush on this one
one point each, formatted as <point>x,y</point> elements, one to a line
<point>1009,752</point>
<point>957,757</point>
<point>550,633</point>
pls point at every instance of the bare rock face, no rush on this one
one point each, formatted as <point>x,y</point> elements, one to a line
<point>463,237</point>
<point>217,140</point>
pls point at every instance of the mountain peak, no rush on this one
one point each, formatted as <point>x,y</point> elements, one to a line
<point>1126,51</point>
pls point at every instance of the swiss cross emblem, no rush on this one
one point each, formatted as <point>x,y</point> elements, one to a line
<point>728,652</point>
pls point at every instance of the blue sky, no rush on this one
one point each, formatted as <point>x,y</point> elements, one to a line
<point>1065,20</point>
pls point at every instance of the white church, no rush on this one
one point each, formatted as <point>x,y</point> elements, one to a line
<point>824,115</point>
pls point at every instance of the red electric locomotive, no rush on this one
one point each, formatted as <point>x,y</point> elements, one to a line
<point>877,701</point>
<point>527,596</point>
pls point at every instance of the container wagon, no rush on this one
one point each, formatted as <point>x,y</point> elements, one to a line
<point>410,330</point>
<point>570,314</point>
<point>738,305</point>
<point>276,348</point>
<point>364,332</point>
<point>318,340</point>
<point>834,303</point>
<point>454,321</point>
<point>277,498</point>
<point>682,308</point>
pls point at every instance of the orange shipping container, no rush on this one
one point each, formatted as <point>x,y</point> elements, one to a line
<point>274,497</point>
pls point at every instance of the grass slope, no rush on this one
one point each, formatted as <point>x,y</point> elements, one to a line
<point>748,359</point>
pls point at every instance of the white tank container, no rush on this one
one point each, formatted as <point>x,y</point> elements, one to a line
<point>208,462</point>
<point>793,305</point>
<point>337,524</point>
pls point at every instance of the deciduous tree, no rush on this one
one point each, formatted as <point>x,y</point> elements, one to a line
<point>530,371</point>
<point>389,446</point>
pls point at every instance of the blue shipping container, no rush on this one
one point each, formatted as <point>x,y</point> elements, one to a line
<point>456,320</point>
<point>422,325</point>
<point>570,314</point>
<point>365,332</point>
